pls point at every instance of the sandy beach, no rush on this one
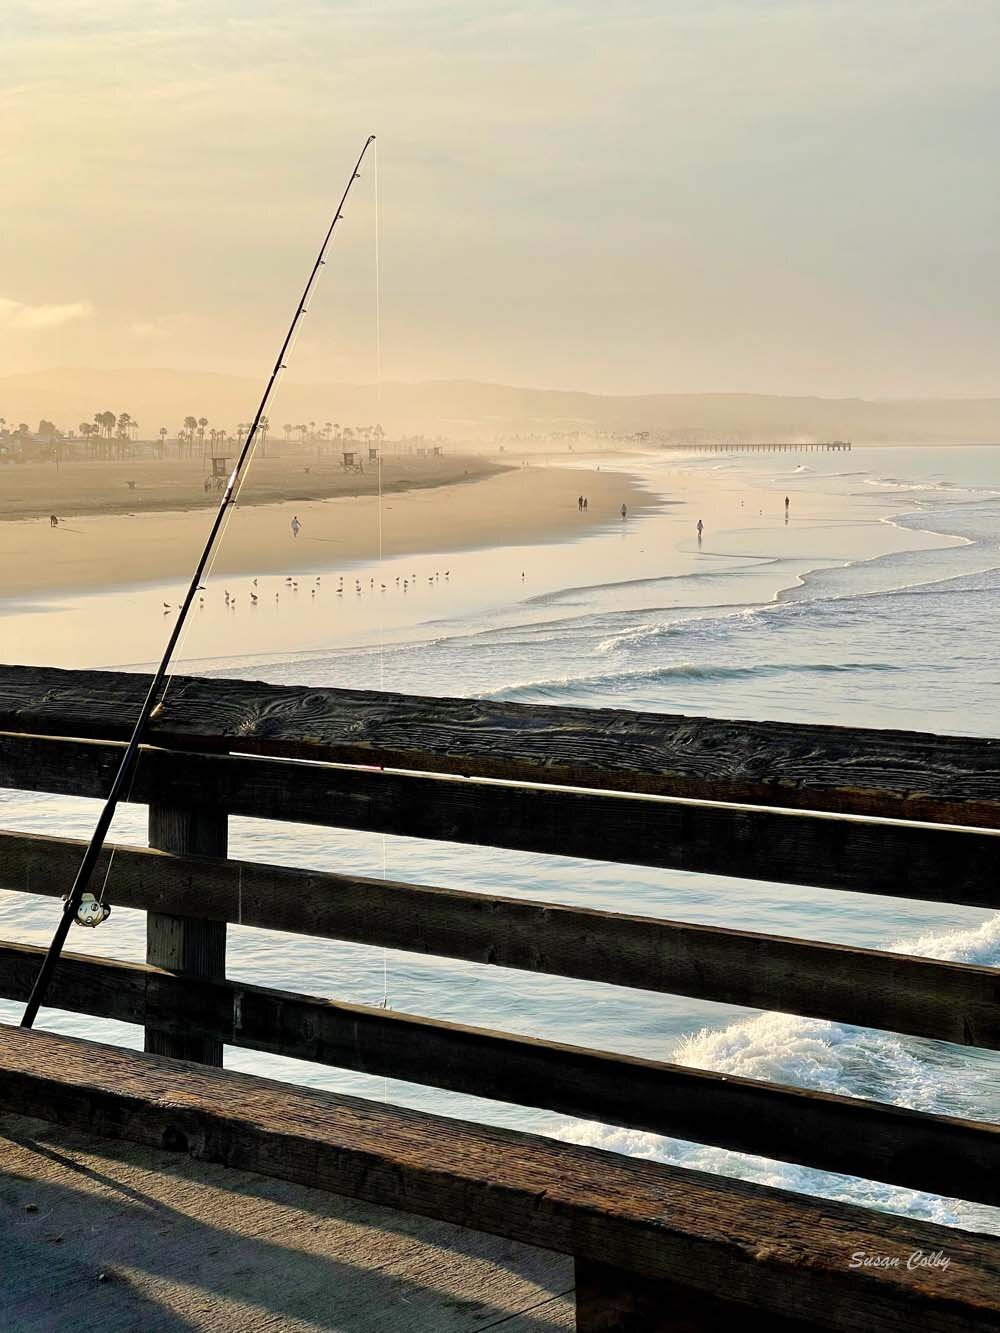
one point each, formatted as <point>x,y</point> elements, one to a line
<point>427,505</point>
<point>137,486</point>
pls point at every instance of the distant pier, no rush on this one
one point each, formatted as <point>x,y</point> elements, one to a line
<point>778,447</point>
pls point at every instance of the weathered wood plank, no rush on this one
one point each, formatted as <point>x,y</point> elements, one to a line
<point>192,945</point>
<point>902,860</point>
<point>766,1249</point>
<point>899,774</point>
<point>940,1154</point>
<point>918,996</point>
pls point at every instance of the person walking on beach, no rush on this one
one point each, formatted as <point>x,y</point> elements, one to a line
<point>701,529</point>
<point>624,512</point>
<point>786,504</point>
<point>585,503</point>
<point>53,521</point>
<point>296,525</point>
<point>579,502</point>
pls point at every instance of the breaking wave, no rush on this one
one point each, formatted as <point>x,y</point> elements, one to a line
<point>558,685</point>
<point>835,1058</point>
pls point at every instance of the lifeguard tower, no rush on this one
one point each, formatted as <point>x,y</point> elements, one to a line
<point>220,473</point>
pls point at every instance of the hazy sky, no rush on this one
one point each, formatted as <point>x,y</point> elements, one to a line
<point>631,196</point>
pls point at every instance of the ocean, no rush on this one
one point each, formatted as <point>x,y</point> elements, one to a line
<point>876,604</point>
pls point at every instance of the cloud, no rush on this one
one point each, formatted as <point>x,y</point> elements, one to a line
<point>17,315</point>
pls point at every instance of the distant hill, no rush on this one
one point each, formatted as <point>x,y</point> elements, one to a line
<point>469,410</point>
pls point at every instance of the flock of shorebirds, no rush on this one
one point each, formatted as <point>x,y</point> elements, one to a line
<point>290,585</point>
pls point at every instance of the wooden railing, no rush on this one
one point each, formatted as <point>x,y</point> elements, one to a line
<point>914,816</point>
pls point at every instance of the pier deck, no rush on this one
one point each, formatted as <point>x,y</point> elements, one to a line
<point>108,1236</point>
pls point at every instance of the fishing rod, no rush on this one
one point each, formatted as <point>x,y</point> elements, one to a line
<point>92,913</point>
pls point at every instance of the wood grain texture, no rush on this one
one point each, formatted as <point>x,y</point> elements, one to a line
<point>918,861</point>
<point>898,774</point>
<point>939,1154</point>
<point>191,945</point>
<point>867,987</point>
<point>766,1249</point>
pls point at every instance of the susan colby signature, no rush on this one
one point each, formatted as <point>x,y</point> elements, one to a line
<point>915,1259</point>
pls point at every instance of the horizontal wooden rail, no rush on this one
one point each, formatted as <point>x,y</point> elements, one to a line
<point>903,860</point>
<point>918,996</point>
<point>768,1250</point>
<point>891,774</point>
<point>940,1154</point>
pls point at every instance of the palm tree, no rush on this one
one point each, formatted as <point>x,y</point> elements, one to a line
<point>122,435</point>
<point>263,426</point>
<point>190,426</point>
<point>104,428</point>
<point>287,428</point>
<point>202,423</point>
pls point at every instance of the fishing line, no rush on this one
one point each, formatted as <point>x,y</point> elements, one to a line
<point>378,461</point>
<point>125,775</point>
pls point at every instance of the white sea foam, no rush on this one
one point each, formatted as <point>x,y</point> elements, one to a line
<point>640,635</point>
<point>979,945</point>
<point>833,1058</point>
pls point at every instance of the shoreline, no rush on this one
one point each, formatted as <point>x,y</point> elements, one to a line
<point>511,551</point>
<point>102,552</point>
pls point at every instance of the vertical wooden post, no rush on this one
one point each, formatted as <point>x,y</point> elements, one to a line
<point>180,943</point>
<point>611,1300</point>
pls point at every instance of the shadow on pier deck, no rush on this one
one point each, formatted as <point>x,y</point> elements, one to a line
<point>106,1236</point>
<point>212,1199</point>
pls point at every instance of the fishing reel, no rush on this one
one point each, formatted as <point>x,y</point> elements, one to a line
<point>91,912</point>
